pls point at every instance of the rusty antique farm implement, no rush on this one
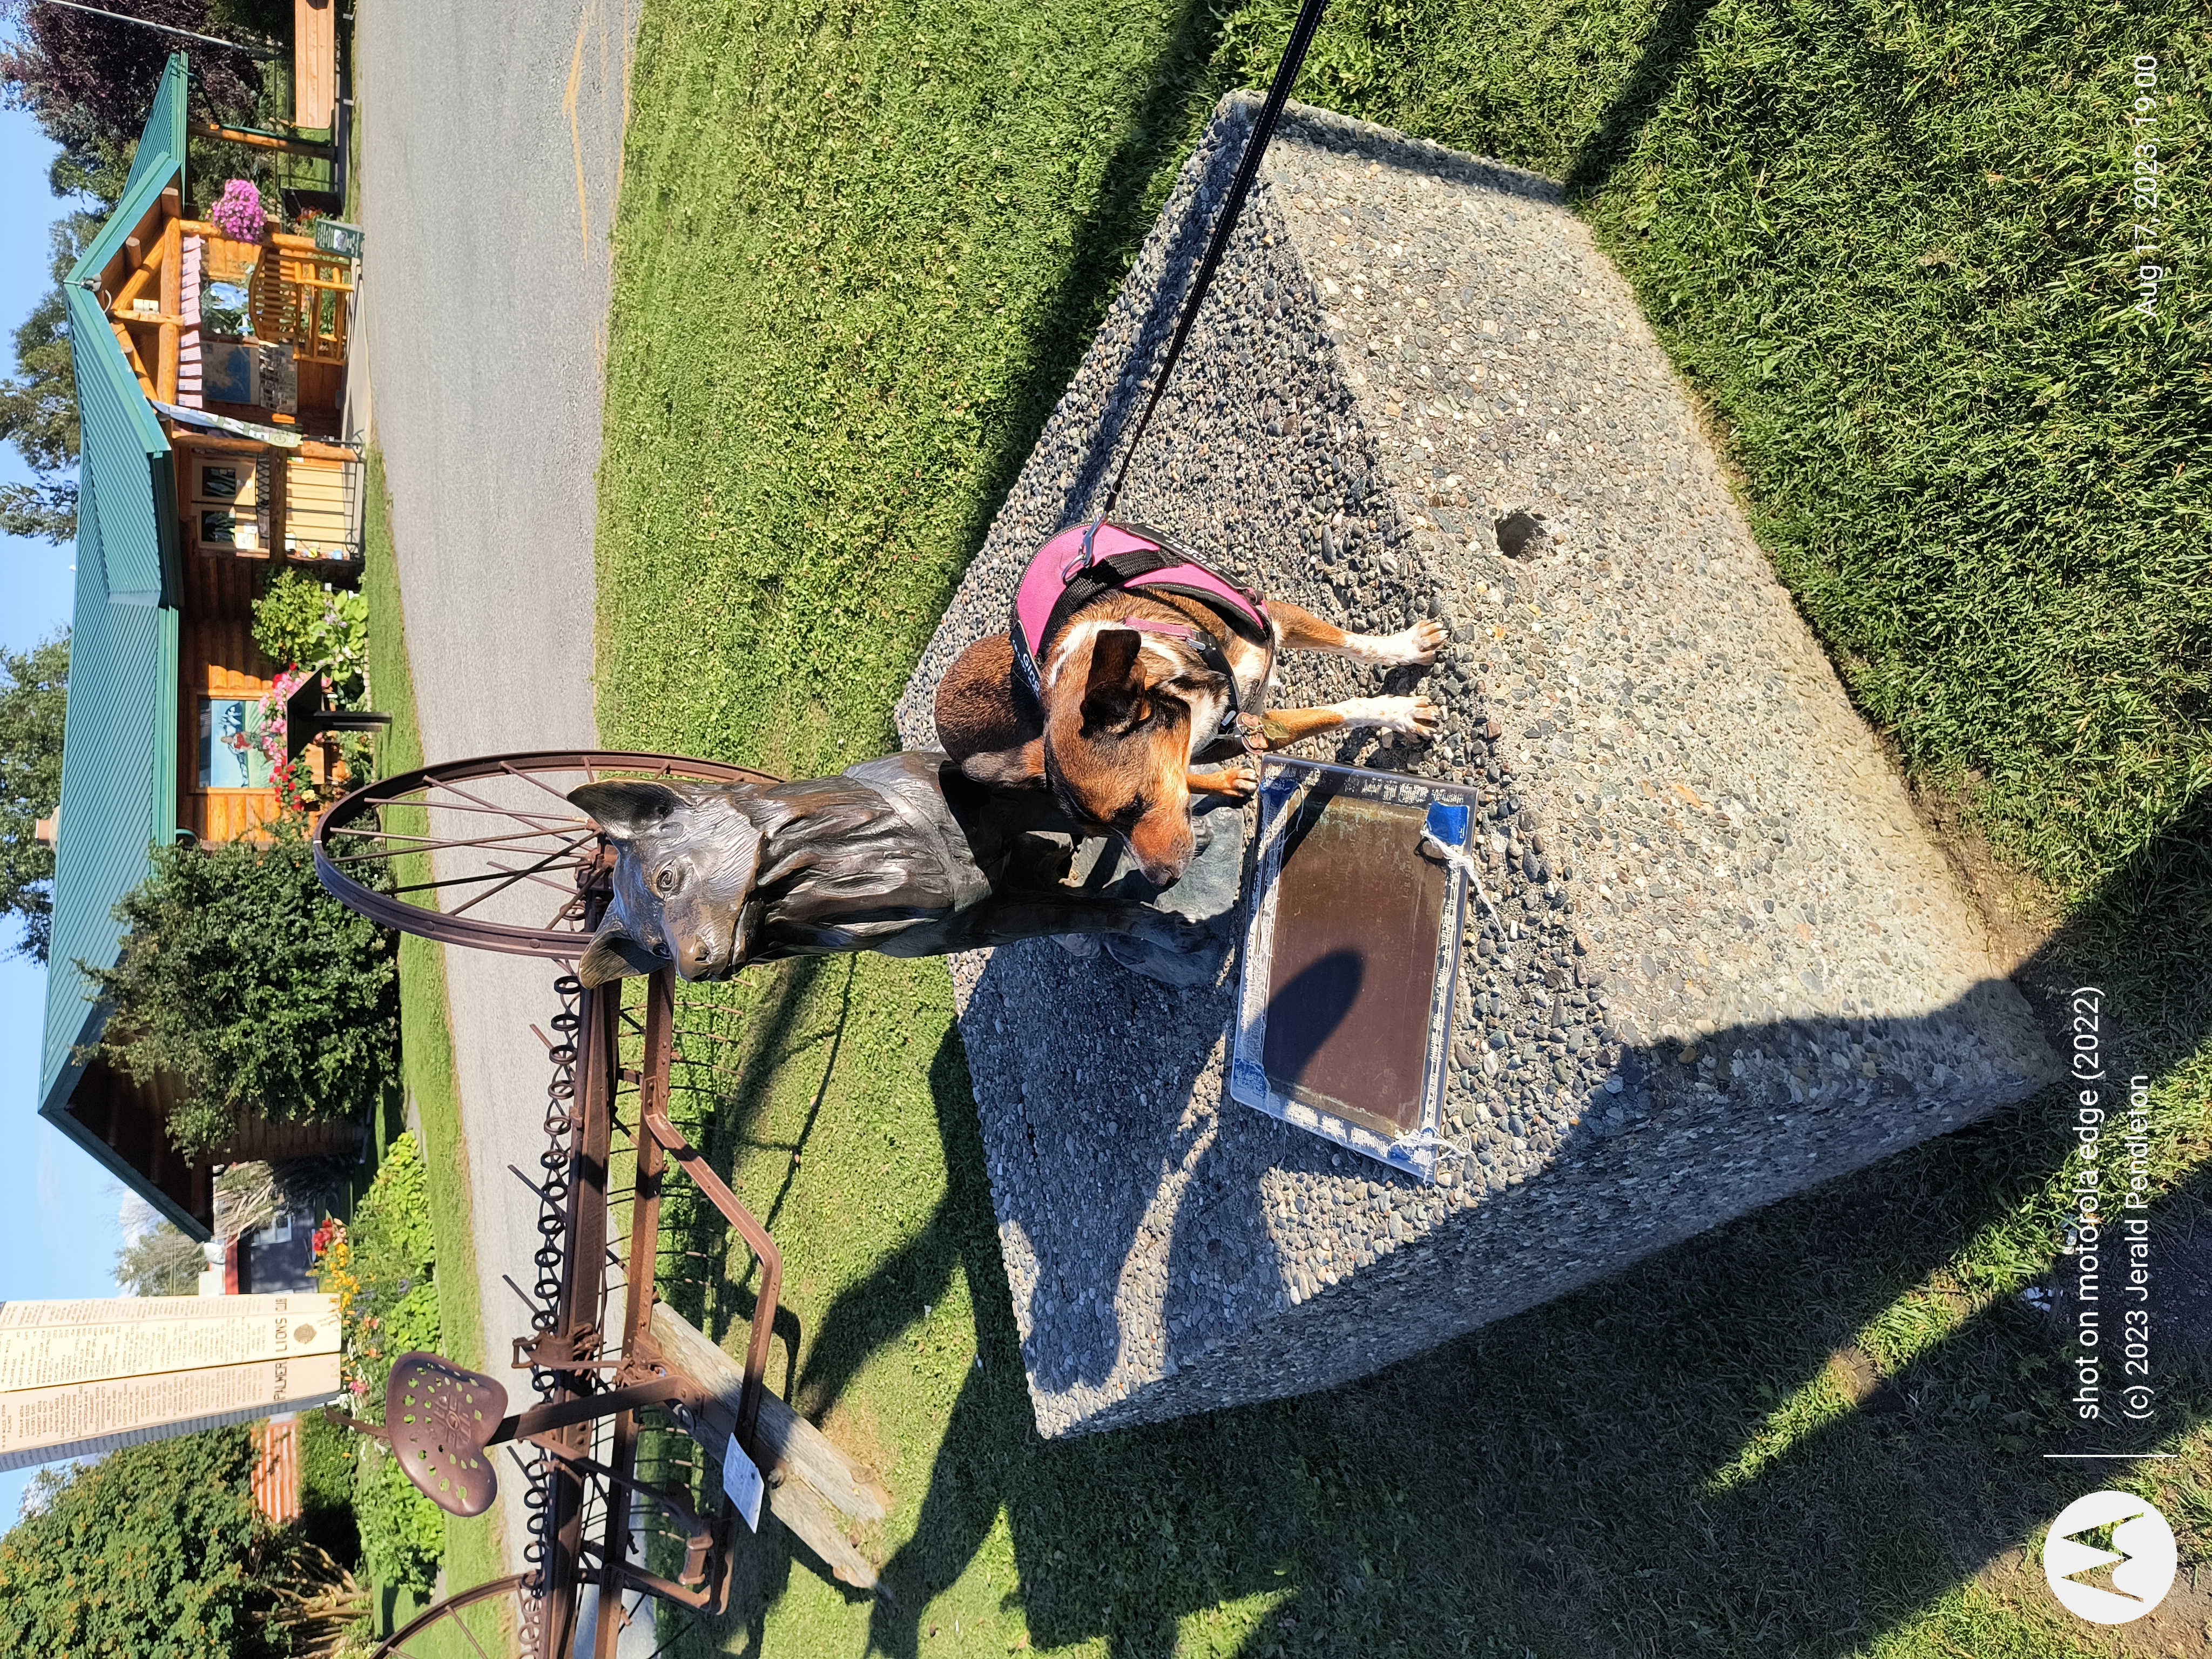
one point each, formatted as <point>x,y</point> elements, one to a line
<point>489,854</point>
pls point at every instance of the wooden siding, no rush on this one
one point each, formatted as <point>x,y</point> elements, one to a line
<point>217,658</point>
<point>276,1477</point>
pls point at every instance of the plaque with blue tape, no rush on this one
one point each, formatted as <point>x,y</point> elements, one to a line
<point>1350,949</point>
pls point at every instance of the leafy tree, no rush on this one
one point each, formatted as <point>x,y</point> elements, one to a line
<point>38,404</point>
<point>159,1260</point>
<point>260,992</point>
<point>90,81</point>
<point>153,1551</point>
<point>33,699</point>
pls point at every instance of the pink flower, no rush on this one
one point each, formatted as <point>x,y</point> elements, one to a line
<point>238,212</point>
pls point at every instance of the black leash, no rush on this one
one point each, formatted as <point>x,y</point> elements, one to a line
<point>1248,169</point>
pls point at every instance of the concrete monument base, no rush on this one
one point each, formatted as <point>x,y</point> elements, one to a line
<point>1718,959</point>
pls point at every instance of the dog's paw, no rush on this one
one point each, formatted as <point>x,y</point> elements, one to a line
<point>1419,644</point>
<point>1413,717</point>
<point>1237,779</point>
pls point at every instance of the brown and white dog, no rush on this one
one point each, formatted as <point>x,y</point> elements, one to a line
<point>1129,703</point>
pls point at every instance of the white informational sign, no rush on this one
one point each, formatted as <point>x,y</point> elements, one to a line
<point>81,1377</point>
<point>741,1479</point>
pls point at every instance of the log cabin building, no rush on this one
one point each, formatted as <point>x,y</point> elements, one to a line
<point>210,377</point>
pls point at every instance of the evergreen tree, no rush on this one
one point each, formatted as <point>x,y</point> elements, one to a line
<point>38,403</point>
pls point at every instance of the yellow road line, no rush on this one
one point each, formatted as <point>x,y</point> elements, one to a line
<point>575,131</point>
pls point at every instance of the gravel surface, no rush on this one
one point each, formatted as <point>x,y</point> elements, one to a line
<point>1718,959</point>
<point>490,161</point>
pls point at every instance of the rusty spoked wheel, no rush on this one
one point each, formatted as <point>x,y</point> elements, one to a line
<point>494,1618</point>
<point>489,853</point>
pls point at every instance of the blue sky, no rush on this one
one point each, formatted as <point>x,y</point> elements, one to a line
<point>57,1208</point>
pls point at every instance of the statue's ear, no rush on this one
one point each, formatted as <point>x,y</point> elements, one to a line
<point>627,810</point>
<point>614,955</point>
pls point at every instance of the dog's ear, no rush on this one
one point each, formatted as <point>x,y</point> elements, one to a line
<point>627,810</point>
<point>1111,695</point>
<point>1008,769</point>
<point>614,955</point>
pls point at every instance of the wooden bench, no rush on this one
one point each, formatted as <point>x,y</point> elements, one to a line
<point>315,64</point>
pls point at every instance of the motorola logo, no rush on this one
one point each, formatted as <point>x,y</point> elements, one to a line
<point>2142,1546</point>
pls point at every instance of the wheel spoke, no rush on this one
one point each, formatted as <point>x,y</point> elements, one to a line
<point>506,877</point>
<point>420,804</point>
<point>590,773</point>
<point>462,1621</point>
<point>515,813</point>
<point>545,864</point>
<point>432,843</point>
<point>569,891</point>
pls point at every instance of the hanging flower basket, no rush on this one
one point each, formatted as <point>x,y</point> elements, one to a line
<point>238,213</point>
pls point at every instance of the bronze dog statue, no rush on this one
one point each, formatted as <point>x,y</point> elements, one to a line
<point>905,855</point>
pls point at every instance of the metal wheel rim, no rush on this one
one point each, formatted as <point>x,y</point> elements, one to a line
<point>351,817</point>
<point>394,1646</point>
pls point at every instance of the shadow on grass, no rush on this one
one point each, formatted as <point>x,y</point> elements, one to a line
<point>1667,50</point>
<point>1105,240</point>
<point>1790,1435</point>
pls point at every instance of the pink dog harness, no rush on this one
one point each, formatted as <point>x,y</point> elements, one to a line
<point>1086,560</point>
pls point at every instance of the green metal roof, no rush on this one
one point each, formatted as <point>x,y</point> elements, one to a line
<point>120,753</point>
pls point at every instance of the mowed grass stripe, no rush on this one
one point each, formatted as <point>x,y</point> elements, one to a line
<point>859,253</point>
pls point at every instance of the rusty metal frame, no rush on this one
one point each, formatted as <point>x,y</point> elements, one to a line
<point>587,1389</point>
<point>583,1372</point>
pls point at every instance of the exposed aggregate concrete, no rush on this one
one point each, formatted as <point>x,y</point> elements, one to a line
<point>1718,959</point>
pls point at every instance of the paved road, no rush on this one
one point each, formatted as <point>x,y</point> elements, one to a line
<point>491,154</point>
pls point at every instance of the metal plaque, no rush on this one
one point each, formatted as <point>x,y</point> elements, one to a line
<point>1351,951</point>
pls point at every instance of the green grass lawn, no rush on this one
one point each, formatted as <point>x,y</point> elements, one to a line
<point>426,1037</point>
<point>859,253</point>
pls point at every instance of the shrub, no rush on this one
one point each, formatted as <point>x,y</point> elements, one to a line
<point>382,1269</point>
<point>309,624</point>
<point>154,1551</point>
<point>242,977</point>
<point>403,1533</point>
<point>328,1455</point>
